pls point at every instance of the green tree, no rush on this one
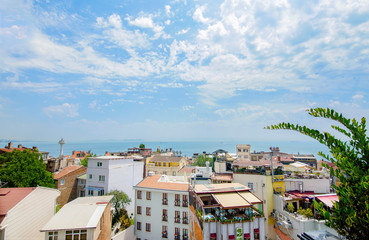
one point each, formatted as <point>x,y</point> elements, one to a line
<point>119,202</point>
<point>84,162</point>
<point>24,169</point>
<point>142,145</point>
<point>350,215</point>
<point>290,208</point>
<point>201,161</point>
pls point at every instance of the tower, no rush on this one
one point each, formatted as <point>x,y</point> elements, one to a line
<point>61,142</point>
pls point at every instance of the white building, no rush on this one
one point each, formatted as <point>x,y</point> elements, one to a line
<point>86,218</point>
<point>108,173</point>
<point>24,211</point>
<point>161,208</point>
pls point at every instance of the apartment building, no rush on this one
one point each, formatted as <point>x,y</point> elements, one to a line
<point>225,211</point>
<point>108,173</point>
<point>161,208</point>
<point>164,164</point>
<point>83,218</point>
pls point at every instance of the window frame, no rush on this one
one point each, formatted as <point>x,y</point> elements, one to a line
<point>148,195</point>
<point>139,194</point>
<point>101,178</point>
<point>148,227</point>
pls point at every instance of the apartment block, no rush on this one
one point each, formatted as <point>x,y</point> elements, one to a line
<point>161,208</point>
<point>225,211</point>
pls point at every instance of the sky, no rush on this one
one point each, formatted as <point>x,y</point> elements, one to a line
<point>179,70</point>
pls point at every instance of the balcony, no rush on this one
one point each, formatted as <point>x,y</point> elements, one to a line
<point>185,204</point>
<point>177,220</point>
<point>165,218</point>
<point>177,237</point>
<point>177,203</point>
<point>164,234</point>
<point>184,237</point>
<point>185,220</point>
<point>165,201</point>
<point>229,215</point>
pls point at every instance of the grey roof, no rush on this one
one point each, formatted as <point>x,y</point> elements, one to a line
<point>81,213</point>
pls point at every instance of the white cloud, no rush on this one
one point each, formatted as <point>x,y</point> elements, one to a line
<point>187,108</point>
<point>357,97</point>
<point>168,11</point>
<point>66,109</point>
<point>198,15</point>
<point>147,22</point>
<point>183,31</point>
<point>170,85</point>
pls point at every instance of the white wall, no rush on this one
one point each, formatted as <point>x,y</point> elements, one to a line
<point>316,185</point>
<point>26,218</point>
<point>157,212</point>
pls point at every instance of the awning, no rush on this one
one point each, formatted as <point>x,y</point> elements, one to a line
<point>250,197</point>
<point>231,200</point>
<point>328,200</point>
<point>94,188</point>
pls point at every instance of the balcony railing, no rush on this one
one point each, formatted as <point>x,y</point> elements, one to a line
<point>185,220</point>
<point>177,203</point>
<point>164,234</point>
<point>185,204</point>
<point>184,237</point>
<point>165,201</point>
<point>165,218</point>
<point>177,237</point>
<point>177,220</point>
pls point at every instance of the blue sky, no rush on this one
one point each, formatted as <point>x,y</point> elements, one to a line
<point>178,70</point>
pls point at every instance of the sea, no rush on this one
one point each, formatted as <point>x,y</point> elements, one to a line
<point>186,148</point>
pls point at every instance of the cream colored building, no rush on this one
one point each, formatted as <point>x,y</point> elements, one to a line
<point>243,151</point>
<point>164,164</point>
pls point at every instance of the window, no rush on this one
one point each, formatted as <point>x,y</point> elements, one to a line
<point>82,193</point>
<point>76,235</point>
<point>148,195</point>
<point>101,178</point>
<point>165,198</point>
<point>90,192</point>
<point>177,218</point>
<point>101,192</point>
<point>148,211</point>
<point>165,215</point>
<point>239,150</point>
<point>139,210</point>
<point>185,218</point>
<point>185,232</point>
<point>177,201</point>
<point>176,233</point>
<point>174,173</point>
<point>148,227</point>
<point>251,186</point>
<point>90,176</point>
<point>184,201</point>
<point>164,232</point>
<point>138,225</point>
<point>139,194</point>
<point>62,182</point>
<point>52,236</point>
<point>99,164</point>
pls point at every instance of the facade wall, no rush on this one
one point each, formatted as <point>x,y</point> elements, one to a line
<point>120,174</point>
<point>69,191</point>
<point>263,189</point>
<point>25,219</point>
<point>61,234</point>
<point>105,224</point>
<point>155,220</point>
<point>243,151</point>
<point>316,185</point>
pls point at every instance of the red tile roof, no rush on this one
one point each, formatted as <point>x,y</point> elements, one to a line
<point>9,197</point>
<point>187,169</point>
<point>153,182</point>
<point>66,171</point>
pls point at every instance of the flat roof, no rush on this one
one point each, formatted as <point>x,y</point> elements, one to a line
<point>81,213</point>
<point>155,182</point>
<point>161,158</point>
<point>110,157</point>
<point>219,187</point>
<point>231,200</point>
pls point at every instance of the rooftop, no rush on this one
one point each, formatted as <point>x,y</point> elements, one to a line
<point>110,158</point>
<point>157,182</point>
<point>161,158</point>
<point>67,170</point>
<point>9,197</point>
<point>220,187</point>
<point>81,213</point>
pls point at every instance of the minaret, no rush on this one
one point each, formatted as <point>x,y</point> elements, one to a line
<point>61,142</point>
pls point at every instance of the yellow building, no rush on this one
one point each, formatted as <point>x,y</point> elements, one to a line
<point>164,164</point>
